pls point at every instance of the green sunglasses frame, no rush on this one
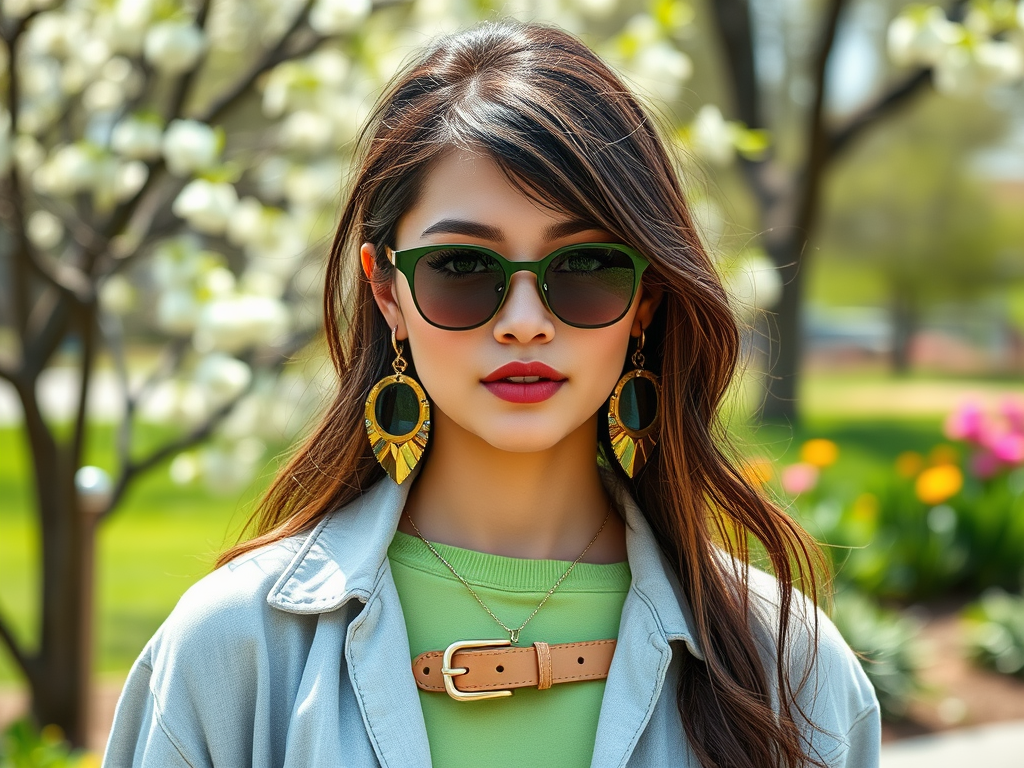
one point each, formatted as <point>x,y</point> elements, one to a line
<point>405,262</point>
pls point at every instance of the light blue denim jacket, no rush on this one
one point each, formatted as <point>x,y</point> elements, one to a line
<point>296,655</point>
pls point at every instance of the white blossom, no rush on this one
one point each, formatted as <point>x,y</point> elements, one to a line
<point>177,311</point>
<point>661,68</point>
<point>137,139</point>
<point>206,205</point>
<point>306,131</point>
<point>173,47</point>
<point>333,17</point>
<point>248,222</point>
<point>190,146</point>
<point>922,36</point>
<point>131,176</point>
<point>713,136</point>
<point>117,295</point>
<point>313,185</point>
<point>44,230</point>
<point>217,282</point>
<point>753,283</point>
<point>236,323</point>
<point>28,153</point>
<point>71,168</point>
<point>223,377</point>
<point>103,96</point>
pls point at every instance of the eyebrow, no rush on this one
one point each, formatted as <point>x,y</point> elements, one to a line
<point>487,232</point>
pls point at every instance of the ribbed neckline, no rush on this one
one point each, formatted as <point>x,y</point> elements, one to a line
<point>511,574</point>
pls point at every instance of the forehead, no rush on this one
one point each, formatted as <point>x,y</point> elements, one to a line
<point>470,186</point>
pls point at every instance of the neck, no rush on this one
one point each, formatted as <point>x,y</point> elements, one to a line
<point>541,505</point>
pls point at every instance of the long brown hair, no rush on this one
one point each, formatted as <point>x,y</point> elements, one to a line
<point>566,130</point>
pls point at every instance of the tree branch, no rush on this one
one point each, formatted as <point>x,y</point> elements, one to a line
<point>183,86</point>
<point>732,20</point>
<point>164,452</point>
<point>818,136</point>
<point>20,657</point>
<point>839,138</point>
<point>271,57</point>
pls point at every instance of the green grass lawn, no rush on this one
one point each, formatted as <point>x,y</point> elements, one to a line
<point>160,541</point>
<point>165,537</point>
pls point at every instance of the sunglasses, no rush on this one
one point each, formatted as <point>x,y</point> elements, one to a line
<point>459,287</point>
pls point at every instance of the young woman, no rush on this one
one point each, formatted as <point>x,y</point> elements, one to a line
<point>515,537</point>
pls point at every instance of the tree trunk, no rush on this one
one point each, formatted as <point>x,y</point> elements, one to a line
<point>903,314</point>
<point>786,339</point>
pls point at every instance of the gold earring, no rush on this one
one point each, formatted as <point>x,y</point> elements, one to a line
<point>634,414</point>
<point>398,419</point>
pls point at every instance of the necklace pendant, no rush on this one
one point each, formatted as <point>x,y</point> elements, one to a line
<point>513,635</point>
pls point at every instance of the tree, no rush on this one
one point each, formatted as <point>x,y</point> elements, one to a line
<point>979,45</point>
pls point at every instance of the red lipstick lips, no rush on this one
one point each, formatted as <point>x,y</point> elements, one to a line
<point>524,382</point>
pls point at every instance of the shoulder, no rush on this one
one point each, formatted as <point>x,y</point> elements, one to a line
<point>222,622</point>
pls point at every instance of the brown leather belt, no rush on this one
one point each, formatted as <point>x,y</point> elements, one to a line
<point>488,669</point>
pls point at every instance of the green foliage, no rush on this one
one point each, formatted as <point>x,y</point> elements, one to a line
<point>22,746</point>
<point>996,634</point>
<point>886,643</point>
<point>925,527</point>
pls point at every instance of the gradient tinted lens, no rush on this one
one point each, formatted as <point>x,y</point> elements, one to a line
<point>458,287</point>
<point>590,286</point>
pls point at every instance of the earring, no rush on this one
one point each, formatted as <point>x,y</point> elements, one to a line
<point>398,419</point>
<point>634,415</point>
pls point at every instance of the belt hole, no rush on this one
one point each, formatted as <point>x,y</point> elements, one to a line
<point>426,670</point>
<point>579,660</point>
<point>499,668</point>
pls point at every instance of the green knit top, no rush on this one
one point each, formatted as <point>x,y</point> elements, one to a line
<point>555,727</point>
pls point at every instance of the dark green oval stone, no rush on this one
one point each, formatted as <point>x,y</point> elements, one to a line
<point>397,409</point>
<point>638,403</point>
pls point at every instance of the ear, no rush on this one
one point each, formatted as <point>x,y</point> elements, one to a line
<point>650,298</point>
<point>384,293</point>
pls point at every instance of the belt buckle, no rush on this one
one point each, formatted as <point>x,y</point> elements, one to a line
<point>448,672</point>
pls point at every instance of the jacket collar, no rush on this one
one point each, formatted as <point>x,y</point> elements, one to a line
<point>345,553</point>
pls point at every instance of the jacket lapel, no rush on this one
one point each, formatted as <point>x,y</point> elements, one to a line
<point>654,615</point>
<point>345,558</point>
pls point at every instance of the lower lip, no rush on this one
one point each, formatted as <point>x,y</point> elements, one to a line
<point>515,392</point>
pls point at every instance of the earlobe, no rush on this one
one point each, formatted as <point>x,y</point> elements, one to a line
<point>384,293</point>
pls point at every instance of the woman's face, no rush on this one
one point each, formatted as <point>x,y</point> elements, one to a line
<point>466,199</point>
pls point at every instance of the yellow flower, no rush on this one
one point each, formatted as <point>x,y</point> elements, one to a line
<point>866,507</point>
<point>944,453</point>
<point>819,453</point>
<point>909,463</point>
<point>936,484</point>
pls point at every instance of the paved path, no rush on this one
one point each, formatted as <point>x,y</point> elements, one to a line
<point>999,745</point>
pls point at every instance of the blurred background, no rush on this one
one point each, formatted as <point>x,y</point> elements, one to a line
<point>170,176</point>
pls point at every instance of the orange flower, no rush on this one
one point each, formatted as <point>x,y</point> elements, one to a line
<point>937,484</point>
<point>909,464</point>
<point>819,453</point>
<point>757,472</point>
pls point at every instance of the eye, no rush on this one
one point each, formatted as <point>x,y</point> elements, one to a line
<point>588,260</point>
<point>455,262</point>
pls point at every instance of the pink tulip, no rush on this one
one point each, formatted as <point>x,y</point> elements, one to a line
<point>1013,412</point>
<point>799,478</point>
<point>1008,448</point>
<point>966,423</point>
<point>985,465</point>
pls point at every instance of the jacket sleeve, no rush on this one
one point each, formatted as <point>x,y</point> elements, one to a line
<point>138,738</point>
<point>864,739</point>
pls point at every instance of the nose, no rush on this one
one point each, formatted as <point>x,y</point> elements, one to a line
<point>524,317</point>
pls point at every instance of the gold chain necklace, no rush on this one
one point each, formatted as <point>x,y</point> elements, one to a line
<point>513,634</point>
